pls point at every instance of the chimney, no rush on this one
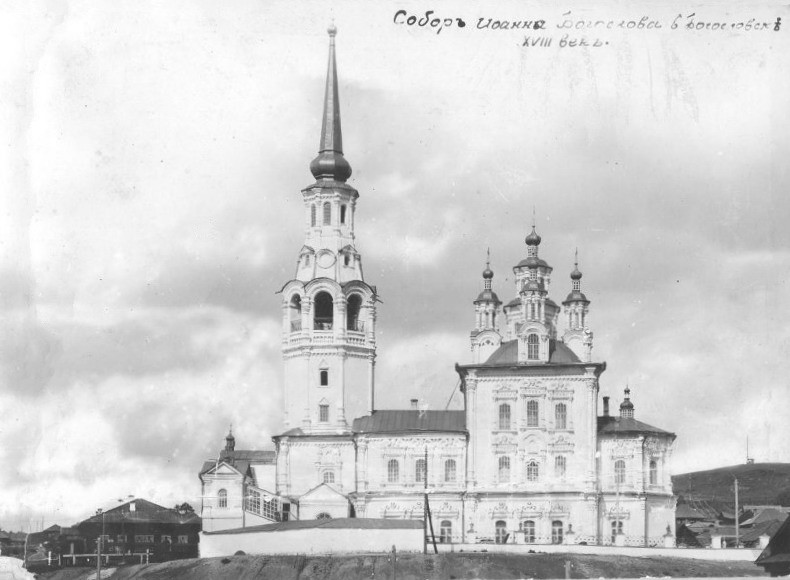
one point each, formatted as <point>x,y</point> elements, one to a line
<point>414,404</point>
<point>606,406</point>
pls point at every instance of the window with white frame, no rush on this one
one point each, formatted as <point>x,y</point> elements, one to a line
<point>559,467</point>
<point>619,472</point>
<point>393,471</point>
<point>419,470</point>
<point>533,472</point>
<point>504,469</point>
<point>329,477</point>
<point>323,413</point>
<point>560,416</point>
<point>222,498</point>
<point>532,413</point>
<point>653,472</point>
<point>529,531</point>
<point>449,470</point>
<point>533,347</point>
<point>504,416</point>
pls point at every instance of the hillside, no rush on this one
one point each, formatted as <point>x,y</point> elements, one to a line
<point>758,483</point>
<point>417,566</point>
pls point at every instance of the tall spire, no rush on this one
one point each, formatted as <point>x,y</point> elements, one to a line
<point>330,163</point>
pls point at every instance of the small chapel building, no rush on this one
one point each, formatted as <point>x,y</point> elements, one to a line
<point>530,459</point>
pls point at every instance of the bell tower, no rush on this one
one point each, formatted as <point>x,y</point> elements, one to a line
<point>329,311</point>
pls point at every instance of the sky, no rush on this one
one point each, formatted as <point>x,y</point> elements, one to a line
<point>150,174</point>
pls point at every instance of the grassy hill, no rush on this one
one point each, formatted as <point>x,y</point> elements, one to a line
<point>758,483</point>
<point>419,567</point>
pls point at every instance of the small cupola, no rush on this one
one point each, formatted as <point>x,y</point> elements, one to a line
<point>627,407</point>
<point>230,440</point>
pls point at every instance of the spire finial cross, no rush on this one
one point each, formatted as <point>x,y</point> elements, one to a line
<point>576,258</point>
<point>488,257</point>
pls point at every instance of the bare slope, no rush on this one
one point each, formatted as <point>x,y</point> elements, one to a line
<point>758,483</point>
<point>417,566</point>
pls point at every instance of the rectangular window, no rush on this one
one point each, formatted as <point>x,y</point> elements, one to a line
<point>532,414</point>
<point>324,376</point>
<point>121,538</point>
<point>144,539</point>
<point>323,413</point>
<point>183,539</point>
<point>166,540</point>
<point>254,501</point>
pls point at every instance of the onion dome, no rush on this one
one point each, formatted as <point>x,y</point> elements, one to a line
<point>627,407</point>
<point>230,440</point>
<point>533,239</point>
<point>488,295</point>
<point>330,163</point>
<point>576,274</point>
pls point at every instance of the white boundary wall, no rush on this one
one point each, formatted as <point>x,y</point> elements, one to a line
<point>723,555</point>
<point>312,541</point>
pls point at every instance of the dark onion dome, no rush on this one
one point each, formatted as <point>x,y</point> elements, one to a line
<point>488,296</point>
<point>575,296</point>
<point>576,274</point>
<point>488,273</point>
<point>533,239</point>
<point>532,262</point>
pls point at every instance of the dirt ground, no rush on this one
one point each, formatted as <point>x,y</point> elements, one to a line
<point>419,567</point>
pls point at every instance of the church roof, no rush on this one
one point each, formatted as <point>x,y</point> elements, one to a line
<point>628,425</point>
<point>411,420</point>
<point>507,354</point>
<point>240,459</point>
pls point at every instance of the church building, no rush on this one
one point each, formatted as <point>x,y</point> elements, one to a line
<point>532,458</point>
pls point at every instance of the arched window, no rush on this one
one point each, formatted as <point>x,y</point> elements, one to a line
<point>312,215</point>
<point>295,312</point>
<point>504,469</point>
<point>617,529</point>
<point>619,472</point>
<point>343,214</point>
<point>419,470</point>
<point>504,416</point>
<point>529,532</point>
<point>449,470</point>
<point>559,466</point>
<point>393,471</point>
<point>445,532</point>
<point>329,477</point>
<point>324,311</point>
<point>323,413</point>
<point>222,498</point>
<point>323,376</point>
<point>533,352</point>
<point>532,413</point>
<point>327,213</point>
<point>353,306</point>
<point>653,472</point>
<point>533,471</point>
<point>556,532</point>
<point>323,516</point>
<point>501,534</point>
<point>561,416</point>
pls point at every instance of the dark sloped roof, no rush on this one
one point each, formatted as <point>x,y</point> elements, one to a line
<point>627,425</point>
<point>338,523</point>
<point>411,420</point>
<point>241,459</point>
<point>686,512</point>
<point>487,296</point>
<point>145,511</point>
<point>507,354</point>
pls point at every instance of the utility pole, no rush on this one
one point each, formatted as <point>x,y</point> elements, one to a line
<point>737,523</point>
<point>428,517</point>
<point>98,547</point>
